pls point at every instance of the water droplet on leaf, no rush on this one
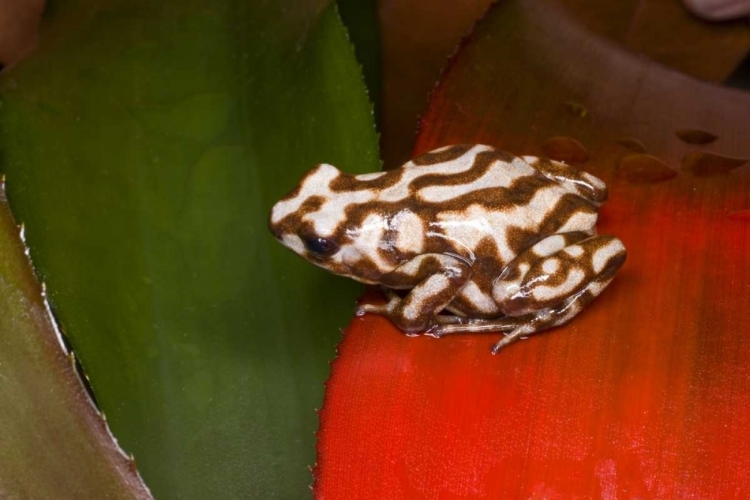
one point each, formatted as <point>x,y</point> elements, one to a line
<point>632,144</point>
<point>565,149</point>
<point>705,164</point>
<point>644,169</point>
<point>696,136</point>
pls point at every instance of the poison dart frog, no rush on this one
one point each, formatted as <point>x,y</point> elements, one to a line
<point>477,239</point>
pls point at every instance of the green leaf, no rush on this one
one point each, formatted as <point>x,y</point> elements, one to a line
<point>54,444</point>
<point>144,144</point>
<point>361,20</point>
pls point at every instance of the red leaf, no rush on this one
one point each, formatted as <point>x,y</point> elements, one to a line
<point>646,394</point>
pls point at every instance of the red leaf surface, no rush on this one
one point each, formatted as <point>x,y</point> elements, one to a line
<point>419,35</point>
<point>646,394</point>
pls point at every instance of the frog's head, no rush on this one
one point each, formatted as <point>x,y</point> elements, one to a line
<point>313,221</point>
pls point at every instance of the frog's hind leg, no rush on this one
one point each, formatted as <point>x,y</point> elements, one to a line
<point>552,281</point>
<point>546,286</point>
<point>553,269</point>
<point>516,327</point>
<point>559,314</point>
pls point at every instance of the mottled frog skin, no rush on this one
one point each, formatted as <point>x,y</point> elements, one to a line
<point>503,243</point>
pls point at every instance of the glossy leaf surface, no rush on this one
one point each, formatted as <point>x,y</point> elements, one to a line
<point>53,442</point>
<point>645,394</point>
<point>665,31</point>
<point>144,144</point>
<point>420,35</point>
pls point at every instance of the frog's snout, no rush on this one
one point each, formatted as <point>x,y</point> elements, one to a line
<point>272,222</point>
<point>275,230</point>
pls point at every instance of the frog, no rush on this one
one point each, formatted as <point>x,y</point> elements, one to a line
<point>466,238</point>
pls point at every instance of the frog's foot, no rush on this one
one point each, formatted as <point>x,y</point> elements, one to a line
<point>382,309</point>
<point>437,324</point>
<point>392,299</point>
<point>519,327</point>
<point>515,327</point>
<point>444,325</point>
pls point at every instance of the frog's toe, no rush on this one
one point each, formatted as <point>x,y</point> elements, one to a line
<point>518,333</point>
<point>363,309</point>
<point>443,324</point>
<point>378,307</point>
<point>434,330</point>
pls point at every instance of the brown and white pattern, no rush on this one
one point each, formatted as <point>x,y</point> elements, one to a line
<point>503,243</point>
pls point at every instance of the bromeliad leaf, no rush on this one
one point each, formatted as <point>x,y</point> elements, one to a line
<point>145,143</point>
<point>636,396</point>
<point>53,441</point>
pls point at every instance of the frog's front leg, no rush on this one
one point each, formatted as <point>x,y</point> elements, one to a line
<point>434,279</point>
<point>548,284</point>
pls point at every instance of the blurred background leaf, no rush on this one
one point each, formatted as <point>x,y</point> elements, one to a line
<point>144,145</point>
<point>664,31</point>
<point>19,21</point>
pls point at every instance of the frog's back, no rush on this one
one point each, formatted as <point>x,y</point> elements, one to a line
<point>449,173</point>
<point>489,200</point>
<point>475,197</point>
<point>457,178</point>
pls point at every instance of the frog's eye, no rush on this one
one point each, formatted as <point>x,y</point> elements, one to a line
<point>320,246</point>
